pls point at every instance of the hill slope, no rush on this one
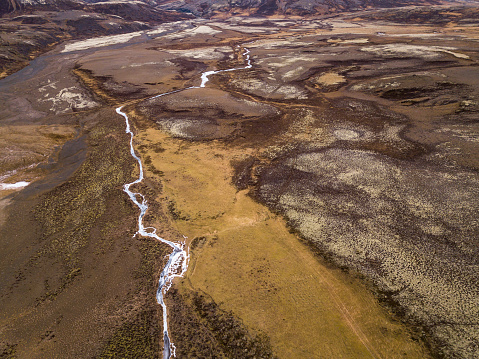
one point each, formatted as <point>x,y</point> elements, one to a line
<point>7,6</point>
<point>288,7</point>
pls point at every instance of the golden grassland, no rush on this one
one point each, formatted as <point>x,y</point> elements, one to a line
<point>247,260</point>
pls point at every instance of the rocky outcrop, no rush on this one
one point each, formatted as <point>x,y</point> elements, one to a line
<point>135,11</point>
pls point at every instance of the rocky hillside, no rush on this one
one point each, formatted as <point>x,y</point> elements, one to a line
<point>462,14</point>
<point>7,6</point>
<point>289,7</point>
<point>207,8</point>
<point>31,28</point>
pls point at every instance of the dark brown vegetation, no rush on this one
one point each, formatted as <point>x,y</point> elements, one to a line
<point>107,89</point>
<point>441,16</point>
<point>7,6</point>
<point>203,330</point>
<point>83,229</point>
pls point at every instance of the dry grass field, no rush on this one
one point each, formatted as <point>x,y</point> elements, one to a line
<point>247,260</point>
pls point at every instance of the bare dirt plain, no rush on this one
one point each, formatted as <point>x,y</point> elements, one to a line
<point>330,193</point>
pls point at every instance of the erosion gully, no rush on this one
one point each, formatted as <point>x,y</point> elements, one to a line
<point>178,259</point>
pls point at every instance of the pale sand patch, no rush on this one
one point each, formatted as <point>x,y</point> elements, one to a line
<point>272,43</point>
<point>437,36</point>
<point>349,41</point>
<point>244,29</point>
<point>292,92</point>
<point>200,30</point>
<point>331,78</point>
<point>179,25</point>
<point>425,52</point>
<point>345,134</point>
<point>339,24</point>
<point>456,54</point>
<point>284,61</point>
<point>205,30</point>
<point>154,63</point>
<point>271,91</point>
<point>101,41</point>
<point>292,74</point>
<point>209,53</point>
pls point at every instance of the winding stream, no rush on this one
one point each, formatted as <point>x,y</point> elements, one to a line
<point>177,263</point>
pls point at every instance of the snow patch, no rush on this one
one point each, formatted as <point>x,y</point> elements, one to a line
<point>68,98</point>
<point>199,30</point>
<point>10,186</point>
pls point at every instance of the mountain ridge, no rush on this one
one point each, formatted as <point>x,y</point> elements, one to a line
<point>209,8</point>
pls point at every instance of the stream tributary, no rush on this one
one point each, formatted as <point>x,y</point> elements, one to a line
<point>177,263</point>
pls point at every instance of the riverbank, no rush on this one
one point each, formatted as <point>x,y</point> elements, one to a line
<point>71,249</point>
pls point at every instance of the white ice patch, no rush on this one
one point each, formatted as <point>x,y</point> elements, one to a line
<point>50,84</point>
<point>10,186</point>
